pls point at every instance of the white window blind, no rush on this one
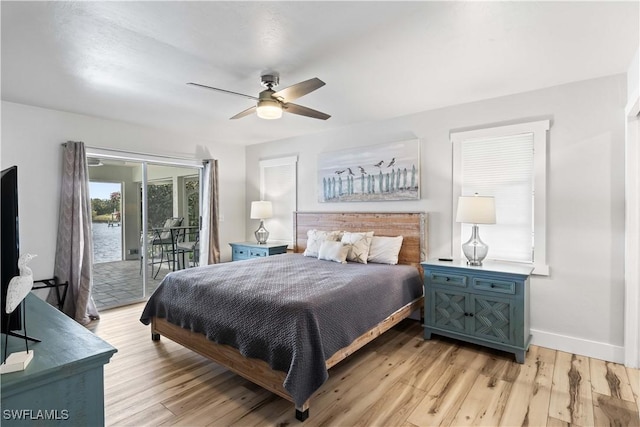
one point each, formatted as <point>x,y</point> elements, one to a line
<point>502,167</point>
<point>278,184</point>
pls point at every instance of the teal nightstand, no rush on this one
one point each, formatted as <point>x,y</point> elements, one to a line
<point>247,250</point>
<point>486,305</point>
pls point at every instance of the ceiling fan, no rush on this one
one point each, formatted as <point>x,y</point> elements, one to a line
<point>270,104</point>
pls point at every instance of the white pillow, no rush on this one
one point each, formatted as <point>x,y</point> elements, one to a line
<point>358,244</point>
<point>315,239</point>
<point>333,251</point>
<point>385,250</point>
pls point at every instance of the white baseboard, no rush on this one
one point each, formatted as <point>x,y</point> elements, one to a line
<point>595,349</point>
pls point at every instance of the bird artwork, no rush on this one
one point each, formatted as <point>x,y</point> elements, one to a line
<point>388,171</point>
<point>21,285</point>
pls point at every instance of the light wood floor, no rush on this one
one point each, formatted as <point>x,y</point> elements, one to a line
<point>397,380</point>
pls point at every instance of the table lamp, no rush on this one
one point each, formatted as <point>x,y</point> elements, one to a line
<point>476,210</point>
<point>261,210</point>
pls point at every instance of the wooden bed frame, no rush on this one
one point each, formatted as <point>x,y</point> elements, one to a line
<point>410,225</point>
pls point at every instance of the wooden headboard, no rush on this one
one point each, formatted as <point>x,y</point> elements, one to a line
<point>410,225</point>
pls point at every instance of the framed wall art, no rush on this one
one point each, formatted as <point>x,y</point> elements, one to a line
<point>389,171</point>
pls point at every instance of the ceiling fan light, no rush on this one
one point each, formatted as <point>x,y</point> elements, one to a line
<point>269,109</point>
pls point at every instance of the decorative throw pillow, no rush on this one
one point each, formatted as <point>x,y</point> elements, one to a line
<point>333,251</point>
<point>385,250</point>
<point>358,244</point>
<point>315,239</point>
<point>165,234</point>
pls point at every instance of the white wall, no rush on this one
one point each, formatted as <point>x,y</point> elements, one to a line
<point>633,79</point>
<point>31,139</point>
<point>579,307</point>
<point>632,217</point>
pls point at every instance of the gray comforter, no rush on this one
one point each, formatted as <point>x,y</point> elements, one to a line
<point>291,311</point>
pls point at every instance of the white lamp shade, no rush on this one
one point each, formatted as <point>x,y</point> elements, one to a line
<point>261,210</point>
<point>476,210</point>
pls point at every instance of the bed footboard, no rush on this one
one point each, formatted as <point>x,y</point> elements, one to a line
<point>255,370</point>
<point>258,371</point>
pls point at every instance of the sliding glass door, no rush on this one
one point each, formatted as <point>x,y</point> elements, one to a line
<point>145,224</point>
<point>117,271</point>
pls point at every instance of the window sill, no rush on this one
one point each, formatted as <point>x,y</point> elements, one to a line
<point>538,269</point>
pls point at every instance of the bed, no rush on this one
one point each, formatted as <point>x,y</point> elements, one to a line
<point>283,321</point>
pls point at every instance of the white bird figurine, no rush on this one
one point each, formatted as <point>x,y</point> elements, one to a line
<point>21,285</point>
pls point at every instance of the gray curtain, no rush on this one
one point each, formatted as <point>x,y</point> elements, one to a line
<point>210,232</point>
<point>74,248</point>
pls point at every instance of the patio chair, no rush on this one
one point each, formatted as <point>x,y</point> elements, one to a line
<point>162,240</point>
<point>188,245</point>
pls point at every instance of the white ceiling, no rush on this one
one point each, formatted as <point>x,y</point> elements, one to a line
<point>130,61</point>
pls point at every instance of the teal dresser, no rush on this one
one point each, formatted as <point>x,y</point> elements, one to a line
<point>247,250</point>
<point>64,383</point>
<point>486,305</point>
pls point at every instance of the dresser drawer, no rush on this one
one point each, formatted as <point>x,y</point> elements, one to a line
<point>447,279</point>
<point>255,252</point>
<point>493,285</point>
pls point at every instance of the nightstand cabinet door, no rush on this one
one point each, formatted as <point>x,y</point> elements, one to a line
<point>492,319</point>
<point>477,315</point>
<point>485,305</point>
<point>448,309</point>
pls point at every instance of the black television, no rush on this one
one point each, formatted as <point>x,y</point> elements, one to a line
<point>10,245</point>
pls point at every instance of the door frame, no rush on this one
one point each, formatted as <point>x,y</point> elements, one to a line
<point>145,160</point>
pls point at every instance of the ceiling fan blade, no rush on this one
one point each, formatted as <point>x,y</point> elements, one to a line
<point>299,89</point>
<point>304,111</point>
<point>223,90</point>
<point>246,112</point>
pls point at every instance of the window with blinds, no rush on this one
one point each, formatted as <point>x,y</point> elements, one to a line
<point>278,184</point>
<point>508,163</point>
<point>502,167</point>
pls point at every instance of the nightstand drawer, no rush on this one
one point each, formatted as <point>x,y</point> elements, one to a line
<point>254,252</point>
<point>240,253</point>
<point>247,250</point>
<point>493,285</point>
<point>440,278</point>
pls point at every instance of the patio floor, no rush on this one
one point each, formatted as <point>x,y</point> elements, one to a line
<point>120,282</point>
